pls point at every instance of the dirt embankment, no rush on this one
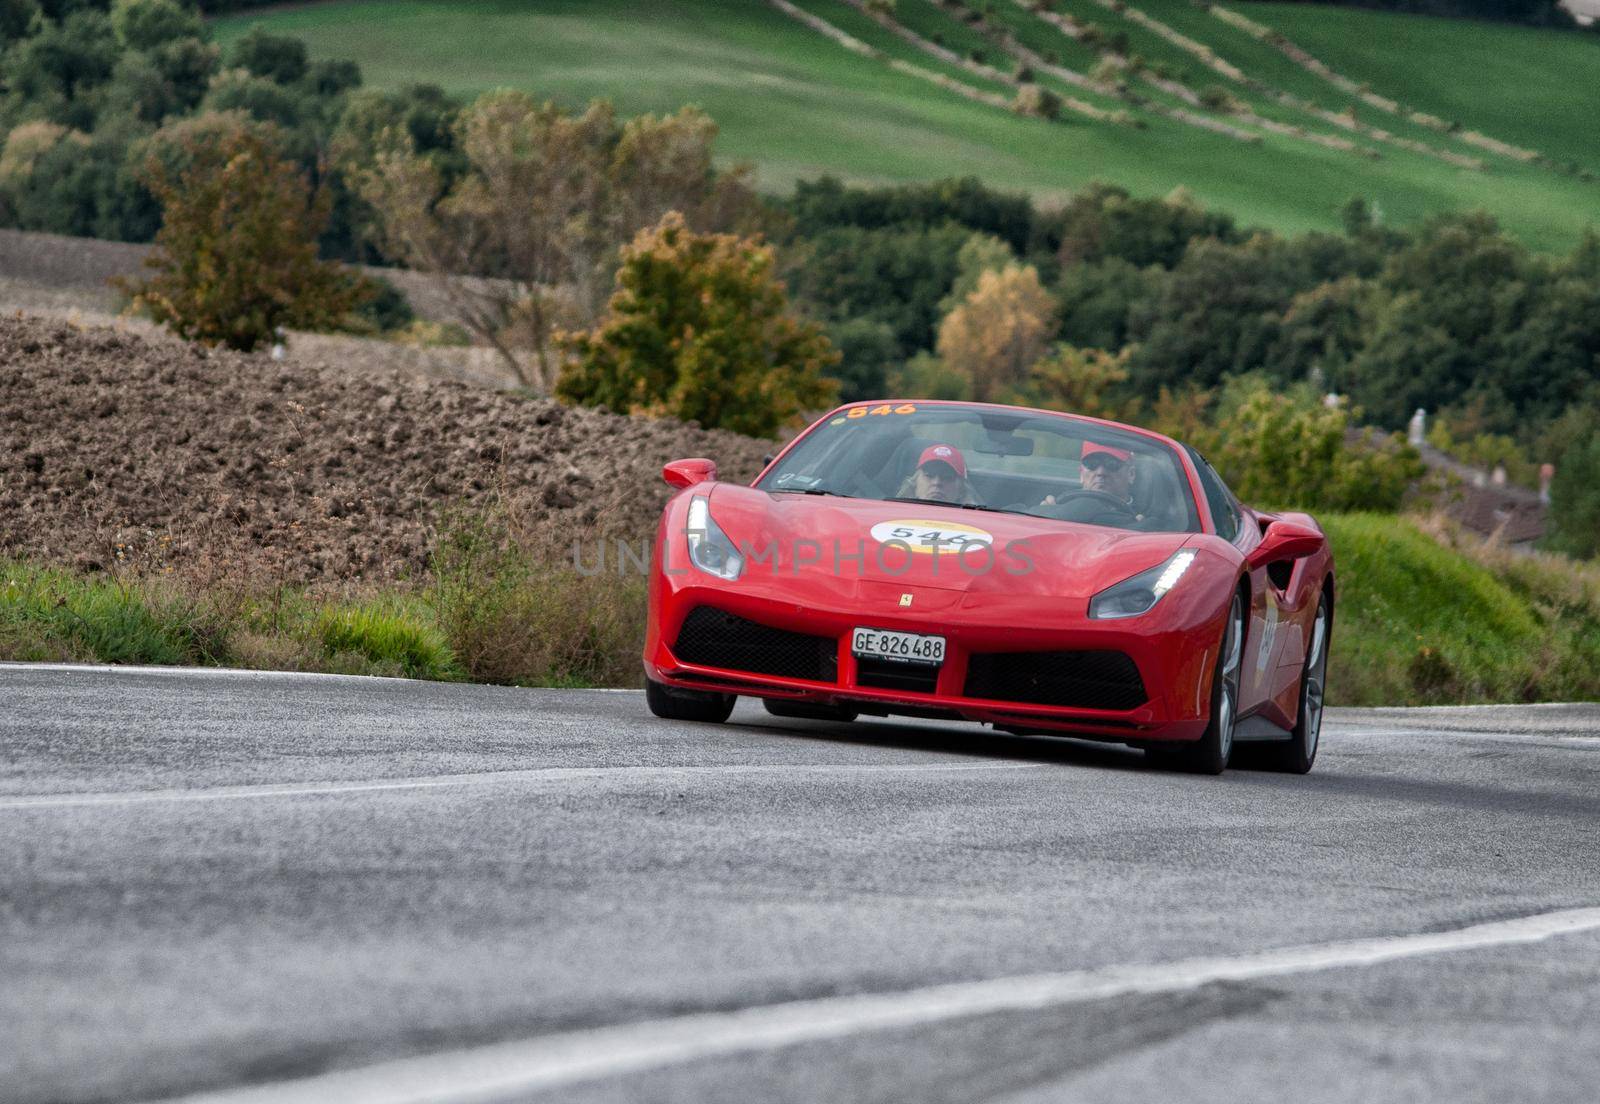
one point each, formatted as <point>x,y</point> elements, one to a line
<point>305,470</point>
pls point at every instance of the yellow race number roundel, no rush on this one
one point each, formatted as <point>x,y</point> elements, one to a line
<point>926,536</point>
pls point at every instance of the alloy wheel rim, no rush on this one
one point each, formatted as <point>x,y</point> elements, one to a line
<point>1232,648</point>
<point>1316,676</point>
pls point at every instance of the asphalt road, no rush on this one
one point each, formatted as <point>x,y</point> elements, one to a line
<point>342,889</point>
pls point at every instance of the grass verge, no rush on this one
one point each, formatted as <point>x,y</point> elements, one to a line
<point>1426,616</point>
<point>1429,616</point>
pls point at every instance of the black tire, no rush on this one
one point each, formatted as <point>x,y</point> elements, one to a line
<point>687,705</point>
<point>1210,753</point>
<point>1299,752</point>
<point>809,711</point>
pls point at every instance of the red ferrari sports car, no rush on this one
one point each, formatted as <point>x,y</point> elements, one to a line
<point>1040,572</point>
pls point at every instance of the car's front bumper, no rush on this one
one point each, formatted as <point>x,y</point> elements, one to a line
<point>1174,653</point>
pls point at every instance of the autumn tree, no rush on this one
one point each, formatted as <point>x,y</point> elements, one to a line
<point>999,331</point>
<point>538,209</point>
<point>236,256</point>
<point>699,329</point>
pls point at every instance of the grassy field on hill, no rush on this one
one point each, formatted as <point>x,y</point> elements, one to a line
<point>798,105</point>
<point>1521,84</point>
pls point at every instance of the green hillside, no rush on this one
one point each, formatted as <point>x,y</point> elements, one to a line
<point>798,104</point>
<point>1536,87</point>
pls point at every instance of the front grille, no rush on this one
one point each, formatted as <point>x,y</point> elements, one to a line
<point>1081,680</point>
<point>886,674</point>
<point>712,638</point>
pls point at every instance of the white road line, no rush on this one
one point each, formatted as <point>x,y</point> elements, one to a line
<point>494,1072</point>
<point>252,673</point>
<point>548,774</point>
<point>190,672</point>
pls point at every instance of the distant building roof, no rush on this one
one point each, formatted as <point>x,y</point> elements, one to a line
<point>1585,11</point>
<point>1514,513</point>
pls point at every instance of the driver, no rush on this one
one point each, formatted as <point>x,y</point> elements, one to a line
<point>940,476</point>
<point>1107,470</point>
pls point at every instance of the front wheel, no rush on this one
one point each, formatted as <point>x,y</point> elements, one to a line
<point>687,705</point>
<point>1209,754</point>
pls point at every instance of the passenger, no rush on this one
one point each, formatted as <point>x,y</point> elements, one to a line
<point>940,476</point>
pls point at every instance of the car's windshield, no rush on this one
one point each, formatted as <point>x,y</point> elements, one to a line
<point>1045,465</point>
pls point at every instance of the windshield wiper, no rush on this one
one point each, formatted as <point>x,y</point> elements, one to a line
<point>810,491</point>
<point>957,505</point>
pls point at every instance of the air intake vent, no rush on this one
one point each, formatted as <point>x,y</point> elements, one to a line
<point>887,674</point>
<point>712,638</point>
<point>1080,680</point>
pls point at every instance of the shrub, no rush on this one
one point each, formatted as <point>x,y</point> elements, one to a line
<point>699,329</point>
<point>1033,99</point>
<point>386,310</point>
<point>517,610</point>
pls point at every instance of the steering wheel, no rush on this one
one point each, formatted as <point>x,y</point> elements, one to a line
<point>1099,498</point>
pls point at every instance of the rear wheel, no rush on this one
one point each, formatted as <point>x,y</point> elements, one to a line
<point>809,711</point>
<point>1296,754</point>
<point>687,705</point>
<point>1209,754</point>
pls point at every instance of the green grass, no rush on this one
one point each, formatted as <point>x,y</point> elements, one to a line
<point>403,639</point>
<point>1421,623</point>
<point>796,105</point>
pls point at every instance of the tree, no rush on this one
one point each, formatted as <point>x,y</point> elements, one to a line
<point>1105,221</point>
<point>277,58</point>
<point>1097,298</point>
<point>980,253</point>
<point>867,349</point>
<point>147,24</point>
<point>698,329</point>
<point>1575,497</point>
<point>898,276</point>
<point>15,18</point>
<point>1287,449</point>
<point>538,205</point>
<point>999,331</point>
<point>236,256</point>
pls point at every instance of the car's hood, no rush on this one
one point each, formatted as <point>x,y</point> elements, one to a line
<point>848,545</point>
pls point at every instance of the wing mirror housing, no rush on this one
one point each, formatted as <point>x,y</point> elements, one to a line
<point>1284,540</point>
<point>686,473</point>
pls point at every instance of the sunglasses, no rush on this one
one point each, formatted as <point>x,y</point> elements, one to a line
<point>1100,461</point>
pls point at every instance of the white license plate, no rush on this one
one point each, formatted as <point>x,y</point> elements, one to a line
<point>902,646</point>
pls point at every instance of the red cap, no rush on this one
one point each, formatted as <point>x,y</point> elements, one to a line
<point>945,454</point>
<point>1090,447</point>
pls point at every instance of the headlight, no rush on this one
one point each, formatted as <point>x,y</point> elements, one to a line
<point>1137,595</point>
<point>709,547</point>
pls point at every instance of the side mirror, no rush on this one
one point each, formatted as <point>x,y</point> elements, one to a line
<point>686,473</point>
<point>1284,540</point>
